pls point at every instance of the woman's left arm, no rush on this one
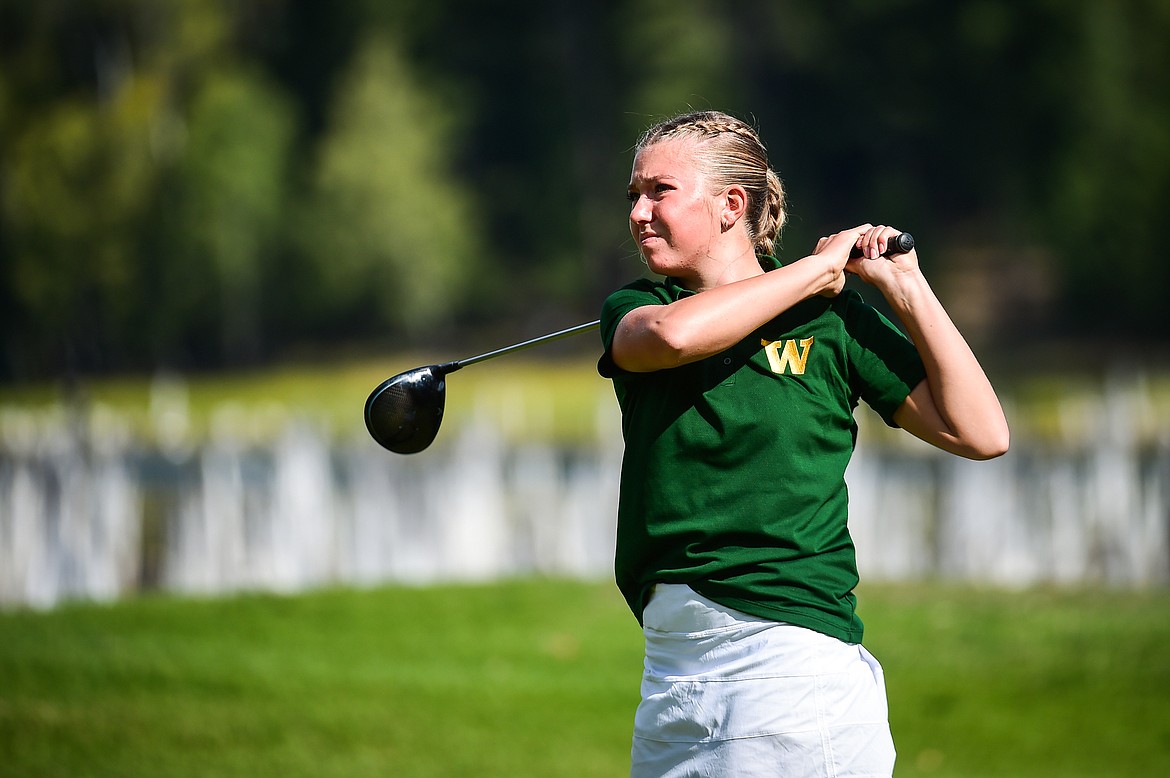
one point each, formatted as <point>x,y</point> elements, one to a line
<point>955,408</point>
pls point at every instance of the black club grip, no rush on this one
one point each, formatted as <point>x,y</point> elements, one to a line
<point>902,243</point>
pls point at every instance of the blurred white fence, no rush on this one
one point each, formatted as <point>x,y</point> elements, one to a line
<point>89,511</point>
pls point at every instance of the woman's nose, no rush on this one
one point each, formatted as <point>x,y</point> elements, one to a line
<point>640,211</point>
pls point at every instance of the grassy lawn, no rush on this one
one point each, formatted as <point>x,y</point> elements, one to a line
<point>1030,683</point>
<point>514,679</point>
<point>540,678</point>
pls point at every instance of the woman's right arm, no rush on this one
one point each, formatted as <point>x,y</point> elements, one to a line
<point>657,337</point>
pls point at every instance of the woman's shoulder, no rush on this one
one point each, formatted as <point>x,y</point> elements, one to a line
<point>643,291</point>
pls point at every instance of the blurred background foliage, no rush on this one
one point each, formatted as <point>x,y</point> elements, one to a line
<point>201,184</point>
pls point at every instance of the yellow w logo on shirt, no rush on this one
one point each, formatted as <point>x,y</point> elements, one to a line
<point>784,356</point>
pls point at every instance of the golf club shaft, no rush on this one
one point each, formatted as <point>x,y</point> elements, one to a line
<point>451,367</point>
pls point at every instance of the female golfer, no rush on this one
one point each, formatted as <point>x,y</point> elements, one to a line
<point>737,379</point>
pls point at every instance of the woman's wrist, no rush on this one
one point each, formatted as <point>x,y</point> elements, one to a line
<point>907,290</point>
<point>821,275</point>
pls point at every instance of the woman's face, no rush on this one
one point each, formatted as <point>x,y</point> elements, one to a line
<point>672,217</point>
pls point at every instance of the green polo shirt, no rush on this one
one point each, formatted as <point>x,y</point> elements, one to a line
<point>733,479</point>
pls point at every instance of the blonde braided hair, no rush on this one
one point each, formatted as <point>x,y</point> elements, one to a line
<point>730,152</point>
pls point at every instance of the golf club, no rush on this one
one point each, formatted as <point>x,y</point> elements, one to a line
<point>404,412</point>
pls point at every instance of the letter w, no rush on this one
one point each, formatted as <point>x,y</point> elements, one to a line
<point>785,357</point>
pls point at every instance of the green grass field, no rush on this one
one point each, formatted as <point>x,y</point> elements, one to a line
<point>540,678</point>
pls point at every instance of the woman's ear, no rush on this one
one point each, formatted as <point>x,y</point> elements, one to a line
<point>734,206</point>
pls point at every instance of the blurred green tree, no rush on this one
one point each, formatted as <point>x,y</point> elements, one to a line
<point>391,227</point>
<point>233,174</point>
<point>1110,180</point>
<point>77,183</point>
<point>681,55</point>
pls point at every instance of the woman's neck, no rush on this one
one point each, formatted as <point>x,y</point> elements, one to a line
<point>735,262</point>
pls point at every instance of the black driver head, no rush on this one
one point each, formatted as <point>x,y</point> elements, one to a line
<point>404,412</point>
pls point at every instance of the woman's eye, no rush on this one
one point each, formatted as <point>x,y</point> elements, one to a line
<point>654,192</point>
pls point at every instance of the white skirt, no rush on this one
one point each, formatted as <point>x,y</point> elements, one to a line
<point>728,694</point>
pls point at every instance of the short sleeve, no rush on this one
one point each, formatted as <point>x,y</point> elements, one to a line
<point>615,307</point>
<point>885,364</point>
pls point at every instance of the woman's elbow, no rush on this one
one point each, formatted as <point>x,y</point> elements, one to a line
<point>993,443</point>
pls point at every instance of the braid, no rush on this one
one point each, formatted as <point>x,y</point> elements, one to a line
<point>773,216</point>
<point>702,123</point>
<point>731,152</point>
